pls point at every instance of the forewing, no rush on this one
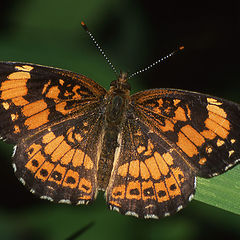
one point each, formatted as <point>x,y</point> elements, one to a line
<point>33,97</point>
<point>205,130</point>
<point>149,178</point>
<point>54,117</point>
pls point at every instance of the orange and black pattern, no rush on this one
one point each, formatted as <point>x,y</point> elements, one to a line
<point>145,151</point>
<point>52,117</point>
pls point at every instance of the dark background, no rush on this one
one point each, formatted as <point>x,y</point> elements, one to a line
<point>133,34</point>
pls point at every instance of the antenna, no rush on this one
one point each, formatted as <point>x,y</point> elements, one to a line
<point>157,62</point>
<point>97,45</point>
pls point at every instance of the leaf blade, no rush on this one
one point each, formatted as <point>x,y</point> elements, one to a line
<point>221,191</point>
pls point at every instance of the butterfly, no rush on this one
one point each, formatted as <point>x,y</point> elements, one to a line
<point>73,138</point>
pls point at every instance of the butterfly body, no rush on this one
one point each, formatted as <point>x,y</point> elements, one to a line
<point>114,114</point>
<point>144,150</point>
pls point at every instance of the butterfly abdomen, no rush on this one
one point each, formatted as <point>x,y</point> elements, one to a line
<point>114,117</point>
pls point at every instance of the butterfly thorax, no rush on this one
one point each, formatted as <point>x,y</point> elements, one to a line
<point>116,104</point>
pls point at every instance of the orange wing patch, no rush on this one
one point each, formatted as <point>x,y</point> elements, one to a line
<point>85,185</point>
<point>53,92</point>
<point>19,101</point>
<point>60,107</point>
<point>145,174</point>
<point>37,120</point>
<point>44,171</point>
<point>133,190</point>
<point>71,179</point>
<point>35,161</point>
<point>119,192</point>
<point>60,151</point>
<point>169,126</point>
<point>180,114</point>
<point>193,135</point>
<point>123,170</point>
<point>161,192</point>
<point>162,165</point>
<point>134,168</point>
<point>217,119</point>
<point>153,168</point>
<point>57,174</point>
<point>148,191</point>
<point>186,145</point>
<point>15,86</point>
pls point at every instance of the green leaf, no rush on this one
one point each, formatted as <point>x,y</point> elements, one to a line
<point>222,191</point>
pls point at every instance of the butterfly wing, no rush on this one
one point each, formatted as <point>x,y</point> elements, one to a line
<point>149,178</point>
<point>169,138</point>
<point>204,129</point>
<point>53,117</point>
<point>32,97</point>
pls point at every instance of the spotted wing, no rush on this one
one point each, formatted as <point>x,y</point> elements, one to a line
<point>149,178</point>
<point>53,116</point>
<point>204,129</point>
<point>169,138</point>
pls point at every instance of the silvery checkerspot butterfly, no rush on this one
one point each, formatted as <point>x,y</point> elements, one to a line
<point>74,138</point>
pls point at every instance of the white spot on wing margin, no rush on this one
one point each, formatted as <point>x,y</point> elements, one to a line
<point>67,201</point>
<point>129,213</point>
<point>14,150</point>
<point>14,167</point>
<point>22,181</point>
<point>151,216</point>
<point>47,198</point>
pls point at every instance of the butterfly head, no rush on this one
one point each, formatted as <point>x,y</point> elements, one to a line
<point>121,84</point>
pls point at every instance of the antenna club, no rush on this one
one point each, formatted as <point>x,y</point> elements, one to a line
<point>84,26</point>
<point>181,48</point>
